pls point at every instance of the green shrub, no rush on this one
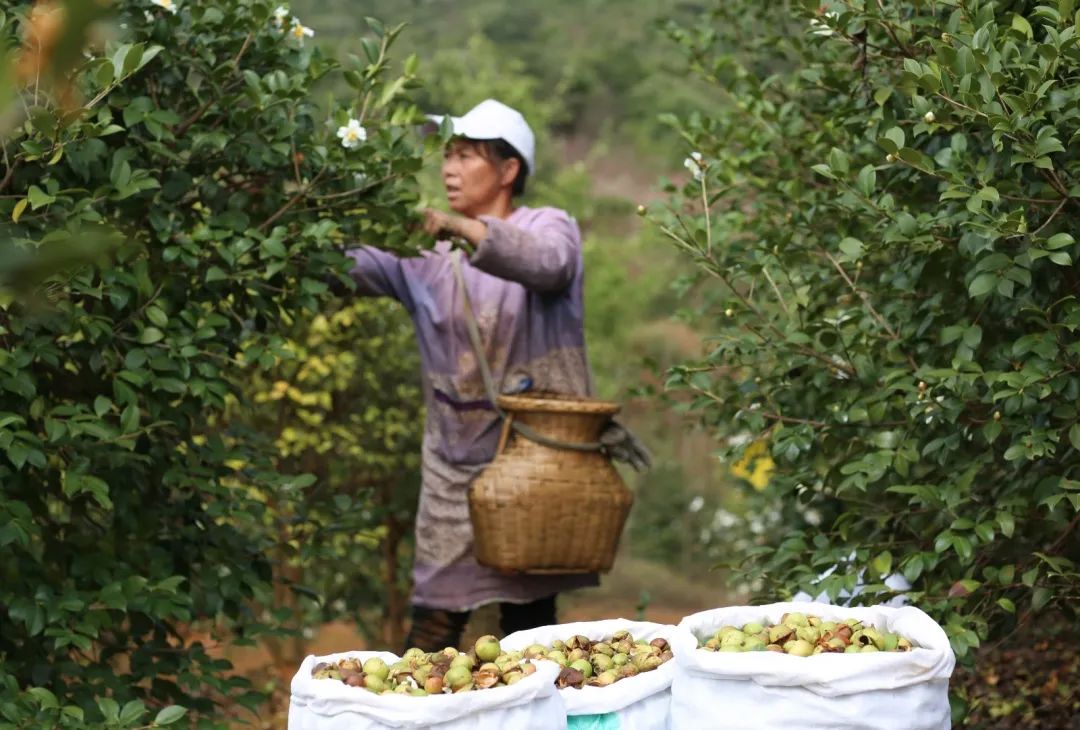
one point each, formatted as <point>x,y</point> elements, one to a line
<point>130,508</point>
<point>885,234</point>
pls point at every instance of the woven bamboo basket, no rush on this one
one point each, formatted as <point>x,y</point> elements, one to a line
<point>539,509</point>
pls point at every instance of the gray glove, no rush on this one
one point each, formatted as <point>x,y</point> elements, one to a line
<point>621,445</point>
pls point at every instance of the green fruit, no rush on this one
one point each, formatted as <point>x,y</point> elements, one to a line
<point>730,647</point>
<point>799,647</point>
<point>732,638</point>
<point>607,678</point>
<point>903,644</point>
<point>808,633</point>
<point>487,648</point>
<point>513,677</point>
<point>752,643</point>
<point>622,636</point>
<point>869,648</point>
<point>890,642</point>
<point>780,634</point>
<point>852,649</point>
<point>602,662</point>
<point>463,660</point>
<point>602,648</point>
<point>457,676</point>
<point>828,626</point>
<point>536,651</point>
<point>583,666</point>
<point>753,628</point>
<point>620,659</point>
<point>413,653</point>
<point>558,657</point>
<point>417,692</point>
<point>794,619</point>
<point>577,655</point>
<point>875,637</point>
<point>374,682</point>
<point>775,647</point>
<point>650,663</point>
<point>836,644</point>
<point>376,667</point>
<point>726,630</point>
<point>558,645</point>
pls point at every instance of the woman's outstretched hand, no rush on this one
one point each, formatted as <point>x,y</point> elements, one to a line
<point>440,224</point>
<point>443,225</point>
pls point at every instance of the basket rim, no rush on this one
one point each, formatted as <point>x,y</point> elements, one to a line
<point>557,403</point>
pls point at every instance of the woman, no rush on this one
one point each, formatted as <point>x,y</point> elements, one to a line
<point>524,280</point>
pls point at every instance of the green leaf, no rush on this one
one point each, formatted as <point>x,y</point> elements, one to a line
<point>110,709</point>
<point>852,248</point>
<point>102,405</point>
<point>1061,258</point>
<point>131,712</point>
<point>170,714</point>
<point>1040,597</point>
<point>157,316</point>
<point>838,161</point>
<point>376,26</point>
<point>1006,604</point>
<point>118,60</point>
<point>1059,240</point>
<point>38,197</point>
<point>1006,523</point>
<point>867,180</point>
<point>1020,23</point>
<point>982,284</point>
<point>46,700</point>
<point>1074,436</point>
<point>150,335</point>
<point>896,136</point>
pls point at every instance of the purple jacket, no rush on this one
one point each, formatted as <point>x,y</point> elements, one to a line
<point>526,283</point>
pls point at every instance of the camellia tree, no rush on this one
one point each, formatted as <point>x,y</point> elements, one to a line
<point>884,225</point>
<point>184,139</point>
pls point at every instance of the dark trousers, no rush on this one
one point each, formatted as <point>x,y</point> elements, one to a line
<point>434,629</point>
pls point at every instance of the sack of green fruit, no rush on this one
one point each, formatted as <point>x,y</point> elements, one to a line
<point>811,665</point>
<point>616,674</point>
<point>366,690</point>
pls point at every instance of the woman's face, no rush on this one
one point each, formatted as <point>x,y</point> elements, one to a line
<point>472,181</point>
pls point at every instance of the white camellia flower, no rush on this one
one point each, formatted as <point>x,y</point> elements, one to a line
<point>167,4</point>
<point>280,14</point>
<point>299,31</point>
<point>696,164</point>
<point>352,134</point>
<point>696,504</point>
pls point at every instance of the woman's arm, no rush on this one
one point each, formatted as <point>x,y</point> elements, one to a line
<point>543,258</point>
<point>378,273</point>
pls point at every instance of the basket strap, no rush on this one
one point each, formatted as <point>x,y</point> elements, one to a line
<point>489,382</point>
